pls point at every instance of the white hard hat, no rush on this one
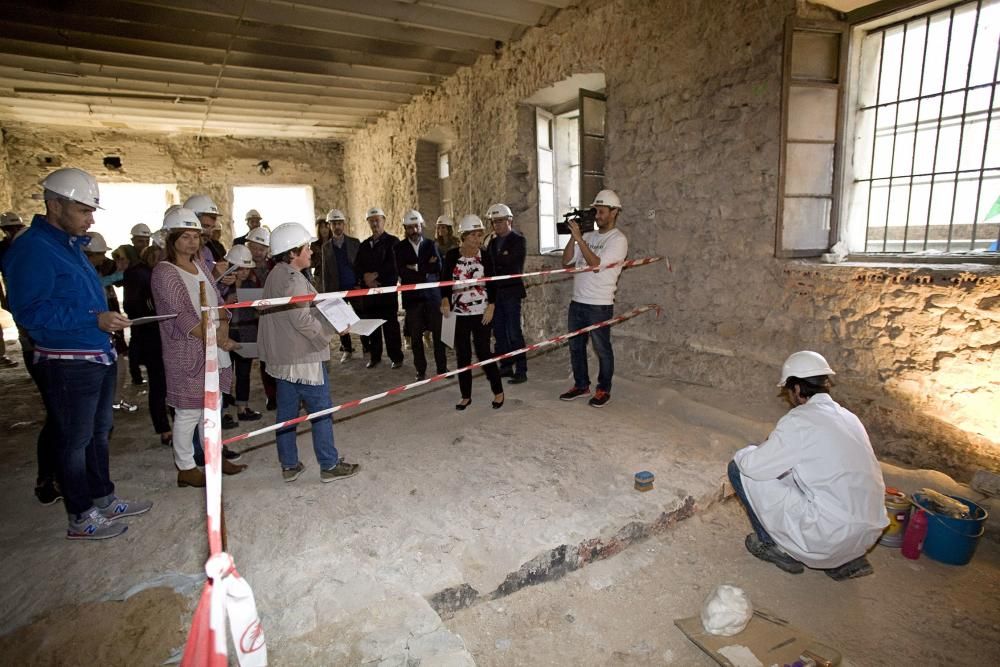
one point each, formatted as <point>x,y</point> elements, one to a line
<point>446,221</point>
<point>413,217</point>
<point>182,218</point>
<point>804,364</point>
<point>469,223</point>
<point>607,198</point>
<point>373,211</point>
<point>498,211</point>
<point>261,235</point>
<point>202,204</point>
<point>141,230</point>
<point>97,244</point>
<point>289,235</point>
<point>335,215</point>
<point>252,213</point>
<point>75,184</point>
<point>240,256</point>
<point>159,238</point>
<point>10,219</point>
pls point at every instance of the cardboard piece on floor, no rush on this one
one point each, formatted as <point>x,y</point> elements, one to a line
<point>768,637</point>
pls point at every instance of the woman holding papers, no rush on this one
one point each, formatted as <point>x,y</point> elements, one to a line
<point>294,341</point>
<point>177,284</point>
<point>472,306</point>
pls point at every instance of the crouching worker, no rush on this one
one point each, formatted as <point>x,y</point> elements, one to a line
<point>813,490</point>
<point>294,341</point>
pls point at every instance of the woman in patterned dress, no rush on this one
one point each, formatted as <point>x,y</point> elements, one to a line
<point>473,306</point>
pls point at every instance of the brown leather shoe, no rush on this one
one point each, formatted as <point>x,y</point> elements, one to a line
<point>193,477</point>
<point>230,468</point>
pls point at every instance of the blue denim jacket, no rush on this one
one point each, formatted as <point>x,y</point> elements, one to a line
<point>55,293</point>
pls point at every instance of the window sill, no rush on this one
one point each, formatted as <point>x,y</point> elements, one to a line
<point>898,272</point>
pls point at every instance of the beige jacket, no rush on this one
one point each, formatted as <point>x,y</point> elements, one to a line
<point>295,333</point>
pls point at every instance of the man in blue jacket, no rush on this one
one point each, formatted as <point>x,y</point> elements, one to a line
<point>56,295</point>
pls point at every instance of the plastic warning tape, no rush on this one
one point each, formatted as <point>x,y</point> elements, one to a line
<point>225,595</point>
<point>442,376</point>
<point>390,289</point>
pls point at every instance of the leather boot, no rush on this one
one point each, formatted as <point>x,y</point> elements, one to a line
<point>193,477</point>
<point>230,468</point>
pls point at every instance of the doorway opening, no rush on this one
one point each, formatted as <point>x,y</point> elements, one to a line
<point>275,203</point>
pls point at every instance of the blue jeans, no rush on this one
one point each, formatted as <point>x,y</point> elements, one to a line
<point>507,329</point>
<point>81,394</point>
<point>316,398</point>
<point>583,315</point>
<point>734,477</point>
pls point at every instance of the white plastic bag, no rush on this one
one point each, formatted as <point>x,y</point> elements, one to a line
<point>726,611</point>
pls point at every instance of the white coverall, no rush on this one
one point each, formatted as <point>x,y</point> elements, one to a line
<point>815,484</point>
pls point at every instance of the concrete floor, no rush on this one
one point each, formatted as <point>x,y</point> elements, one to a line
<point>451,509</point>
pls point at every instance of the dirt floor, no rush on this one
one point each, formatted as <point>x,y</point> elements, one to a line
<point>621,611</point>
<point>490,537</point>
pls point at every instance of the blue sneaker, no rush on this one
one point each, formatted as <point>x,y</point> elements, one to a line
<point>93,526</point>
<point>118,508</point>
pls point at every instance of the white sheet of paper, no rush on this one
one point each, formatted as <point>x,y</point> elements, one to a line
<point>339,313</point>
<point>247,350</point>
<point>448,330</point>
<point>151,318</point>
<point>249,293</point>
<point>365,327</point>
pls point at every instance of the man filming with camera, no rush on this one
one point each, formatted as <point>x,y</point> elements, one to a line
<point>594,293</point>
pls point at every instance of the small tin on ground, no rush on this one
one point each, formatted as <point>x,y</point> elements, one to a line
<point>644,480</point>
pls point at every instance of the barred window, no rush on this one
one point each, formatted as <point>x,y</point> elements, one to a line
<point>925,168</point>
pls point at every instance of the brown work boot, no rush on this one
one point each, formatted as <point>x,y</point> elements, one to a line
<point>230,468</point>
<point>193,477</point>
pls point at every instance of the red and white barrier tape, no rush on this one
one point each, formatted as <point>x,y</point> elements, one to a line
<point>225,594</point>
<point>371,291</point>
<point>442,376</point>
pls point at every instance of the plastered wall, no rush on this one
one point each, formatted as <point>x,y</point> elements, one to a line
<point>207,166</point>
<point>694,94</point>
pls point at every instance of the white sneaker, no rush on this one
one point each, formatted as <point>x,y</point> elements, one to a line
<point>346,356</point>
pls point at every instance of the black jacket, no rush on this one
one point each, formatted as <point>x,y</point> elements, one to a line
<point>427,260</point>
<point>506,261</point>
<point>378,258</point>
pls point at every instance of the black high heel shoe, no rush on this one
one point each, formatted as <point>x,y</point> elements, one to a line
<point>462,406</point>
<point>498,404</point>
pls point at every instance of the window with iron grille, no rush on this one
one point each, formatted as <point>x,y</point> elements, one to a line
<point>925,166</point>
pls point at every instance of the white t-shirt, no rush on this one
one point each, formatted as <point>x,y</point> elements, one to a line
<point>597,288</point>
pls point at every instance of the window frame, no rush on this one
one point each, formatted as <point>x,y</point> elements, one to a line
<point>855,26</point>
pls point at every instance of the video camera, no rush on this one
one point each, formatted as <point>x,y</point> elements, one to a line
<point>585,218</point>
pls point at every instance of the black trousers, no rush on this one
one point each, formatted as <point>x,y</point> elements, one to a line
<point>242,368</point>
<point>46,446</point>
<point>420,317</point>
<point>145,350</point>
<point>471,332</point>
<point>390,331</point>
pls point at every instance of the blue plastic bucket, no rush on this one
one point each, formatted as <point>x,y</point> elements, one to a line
<point>952,541</point>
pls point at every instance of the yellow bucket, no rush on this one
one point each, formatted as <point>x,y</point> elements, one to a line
<point>897,507</point>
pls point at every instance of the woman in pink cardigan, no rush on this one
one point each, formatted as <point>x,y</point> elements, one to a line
<point>176,289</point>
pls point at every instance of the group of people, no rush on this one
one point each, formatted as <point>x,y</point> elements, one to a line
<point>813,490</point>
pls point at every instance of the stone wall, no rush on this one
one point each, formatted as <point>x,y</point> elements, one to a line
<point>694,95</point>
<point>4,175</point>
<point>208,166</point>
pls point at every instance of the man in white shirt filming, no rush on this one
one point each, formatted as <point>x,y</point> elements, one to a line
<point>594,295</point>
<point>813,490</point>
